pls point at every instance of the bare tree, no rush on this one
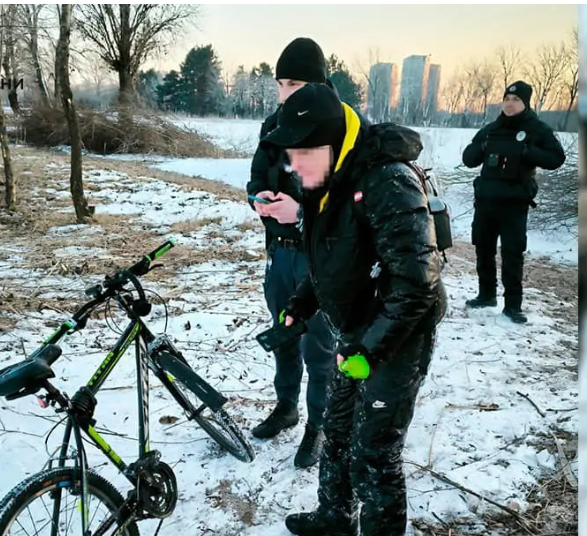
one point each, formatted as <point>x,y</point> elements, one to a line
<point>28,16</point>
<point>509,59</point>
<point>10,189</point>
<point>546,72</point>
<point>452,94</point>
<point>82,210</point>
<point>125,35</point>
<point>376,86</point>
<point>483,77</point>
<point>9,22</point>
<point>570,82</point>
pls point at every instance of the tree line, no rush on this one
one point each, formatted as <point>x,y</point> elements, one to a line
<point>199,88</point>
<point>112,39</point>
<point>474,90</point>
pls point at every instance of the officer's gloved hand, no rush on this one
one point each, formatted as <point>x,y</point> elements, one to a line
<point>353,363</point>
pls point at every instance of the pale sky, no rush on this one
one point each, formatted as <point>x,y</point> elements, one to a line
<point>453,34</point>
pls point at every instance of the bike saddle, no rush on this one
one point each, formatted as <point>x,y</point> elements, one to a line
<point>27,377</point>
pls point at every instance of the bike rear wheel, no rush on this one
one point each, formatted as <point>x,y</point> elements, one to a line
<point>30,507</point>
<point>188,389</point>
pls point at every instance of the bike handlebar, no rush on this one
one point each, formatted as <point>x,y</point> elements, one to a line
<point>116,282</point>
<point>142,267</point>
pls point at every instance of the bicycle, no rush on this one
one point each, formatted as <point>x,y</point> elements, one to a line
<point>154,486</point>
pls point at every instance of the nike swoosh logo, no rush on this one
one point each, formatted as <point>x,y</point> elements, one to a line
<point>304,112</point>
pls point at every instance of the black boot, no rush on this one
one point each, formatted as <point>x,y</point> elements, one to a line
<point>513,309</point>
<point>321,524</point>
<point>281,417</point>
<point>310,448</point>
<point>515,315</point>
<point>481,301</point>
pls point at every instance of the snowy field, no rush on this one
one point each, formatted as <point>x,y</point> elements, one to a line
<point>472,423</point>
<point>443,148</point>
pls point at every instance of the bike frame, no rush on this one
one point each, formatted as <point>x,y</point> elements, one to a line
<point>136,332</point>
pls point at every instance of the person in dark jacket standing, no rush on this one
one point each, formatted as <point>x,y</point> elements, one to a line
<point>302,61</point>
<point>375,274</point>
<point>509,149</point>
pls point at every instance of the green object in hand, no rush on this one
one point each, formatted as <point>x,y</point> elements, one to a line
<point>282,317</point>
<point>355,366</point>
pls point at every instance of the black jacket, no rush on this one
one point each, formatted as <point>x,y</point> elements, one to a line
<point>393,228</point>
<point>268,173</point>
<point>510,149</point>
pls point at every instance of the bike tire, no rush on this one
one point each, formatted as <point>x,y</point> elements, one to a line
<point>50,480</point>
<point>228,434</point>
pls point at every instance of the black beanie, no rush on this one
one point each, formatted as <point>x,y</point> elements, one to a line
<point>302,60</point>
<point>520,89</point>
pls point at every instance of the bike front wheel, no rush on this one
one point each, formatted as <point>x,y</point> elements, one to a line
<point>49,503</point>
<point>199,400</point>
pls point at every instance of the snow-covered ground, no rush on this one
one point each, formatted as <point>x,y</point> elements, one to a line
<point>472,423</point>
<point>443,149</point>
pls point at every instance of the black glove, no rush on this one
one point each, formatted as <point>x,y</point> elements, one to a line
<point>294,310</point>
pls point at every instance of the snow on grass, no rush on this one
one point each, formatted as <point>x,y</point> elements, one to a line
<point>471,423</point>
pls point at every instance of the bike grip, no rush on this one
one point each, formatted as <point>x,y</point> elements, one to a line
<point>161,250</point>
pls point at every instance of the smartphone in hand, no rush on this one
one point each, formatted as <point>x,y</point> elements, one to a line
<point>260,200</point>
<point>280,335</point>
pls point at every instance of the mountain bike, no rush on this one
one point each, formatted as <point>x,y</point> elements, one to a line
<point>154,487</point>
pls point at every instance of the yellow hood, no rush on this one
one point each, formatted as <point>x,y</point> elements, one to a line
<point>353,124</point>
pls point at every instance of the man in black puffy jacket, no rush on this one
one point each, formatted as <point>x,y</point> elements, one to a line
<point>375,274</point>
<point>509,149</point>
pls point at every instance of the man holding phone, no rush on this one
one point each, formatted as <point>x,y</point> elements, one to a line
<point>275,194</point>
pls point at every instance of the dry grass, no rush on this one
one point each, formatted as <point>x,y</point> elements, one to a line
<point>249,225</point>
<point>142,169</point>
<point>122,238</point>
<point>103,133</point>
<point>191,226</point>
<point>553,509</point>
<point>222,496</point>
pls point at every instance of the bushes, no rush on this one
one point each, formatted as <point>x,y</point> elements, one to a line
<point>102,133</point>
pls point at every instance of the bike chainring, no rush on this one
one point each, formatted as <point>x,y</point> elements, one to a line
<point>157,490</point>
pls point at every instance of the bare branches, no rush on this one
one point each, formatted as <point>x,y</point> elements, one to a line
<point>482,78</point>
<point>546,71</point>
<point>509,60</point>
<point>126,36</point>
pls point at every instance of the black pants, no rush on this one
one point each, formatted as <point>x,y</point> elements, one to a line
<point>285,270</point>
<point>508,221</point>
<point>366,426</point>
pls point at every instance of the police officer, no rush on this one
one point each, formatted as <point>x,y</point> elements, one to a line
<point>302,61</point>
<point>509,151</point>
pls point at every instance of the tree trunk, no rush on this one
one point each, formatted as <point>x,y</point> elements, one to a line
<point>572,99</point>
<point>33,19</point>
<point>10,193</point>
<point>82,210</point>
<point>126,76</point>
<point>8,59</point>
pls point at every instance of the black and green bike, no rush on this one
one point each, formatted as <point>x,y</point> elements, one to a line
<point>72,498</point>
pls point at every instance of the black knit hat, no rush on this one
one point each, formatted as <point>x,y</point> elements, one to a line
<point>520,89</point>
<point>313,116</point>
<point>302,60</point>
